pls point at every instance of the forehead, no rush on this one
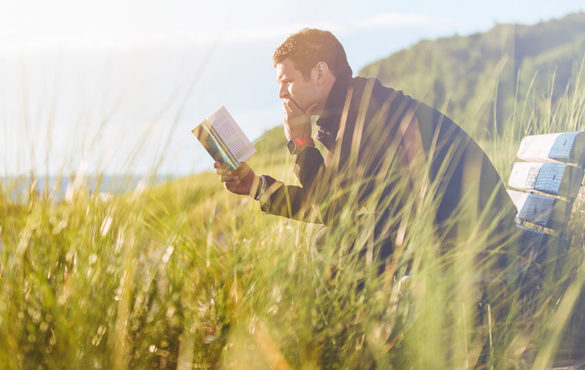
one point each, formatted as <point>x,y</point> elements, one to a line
<point>286,68</point>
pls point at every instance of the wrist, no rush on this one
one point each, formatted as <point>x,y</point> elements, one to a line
<point>254,187</point>
<point>294,145</point>
<point>297,127</point>
<point>258,187</point>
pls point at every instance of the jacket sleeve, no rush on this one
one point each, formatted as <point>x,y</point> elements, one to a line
<point>295,201</point>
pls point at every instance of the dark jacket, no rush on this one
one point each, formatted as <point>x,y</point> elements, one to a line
<point>374,137</point>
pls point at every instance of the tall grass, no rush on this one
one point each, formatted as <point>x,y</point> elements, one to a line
<point>185,275</point>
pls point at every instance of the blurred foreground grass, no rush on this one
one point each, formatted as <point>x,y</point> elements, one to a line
<point>185,275</point>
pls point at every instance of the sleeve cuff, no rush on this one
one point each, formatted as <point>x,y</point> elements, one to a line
<point>261,188</point>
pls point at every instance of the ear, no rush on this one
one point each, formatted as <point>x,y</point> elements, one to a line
<point>320,72</point>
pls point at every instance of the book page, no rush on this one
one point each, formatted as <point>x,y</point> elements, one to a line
<point>231,134</point>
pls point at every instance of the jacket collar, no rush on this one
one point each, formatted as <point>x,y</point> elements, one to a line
<point>328,121</point>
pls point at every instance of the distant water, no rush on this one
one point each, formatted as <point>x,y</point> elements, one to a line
<point>18,188</point>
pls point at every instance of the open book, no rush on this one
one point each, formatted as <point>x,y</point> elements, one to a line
<point>223,139</point>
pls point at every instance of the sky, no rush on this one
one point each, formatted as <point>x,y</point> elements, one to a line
<point>116,86</point>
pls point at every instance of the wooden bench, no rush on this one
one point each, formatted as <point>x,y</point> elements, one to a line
<point>549,180</point>
<point>544,186</point>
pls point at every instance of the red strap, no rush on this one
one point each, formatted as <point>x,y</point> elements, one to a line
<point>300,141</point>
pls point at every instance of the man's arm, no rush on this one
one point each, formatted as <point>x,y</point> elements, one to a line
<point>294,201</point>
<point>275,197</point>
<point>288,200</point>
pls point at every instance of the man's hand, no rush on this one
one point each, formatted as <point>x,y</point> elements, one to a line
<point>297,123</point>
<point>241,181</point>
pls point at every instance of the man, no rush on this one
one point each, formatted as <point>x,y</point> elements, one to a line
<point>383,151</point>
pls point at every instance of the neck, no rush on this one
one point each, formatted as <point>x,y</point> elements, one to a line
<point>327,87</point>
<point>328,122</point>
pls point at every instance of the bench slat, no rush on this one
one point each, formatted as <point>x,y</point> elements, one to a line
<point>530,238</point>
<point>551,178</point>
<point>566,147</point>
<point>532,244</point>
<point>541,210</point>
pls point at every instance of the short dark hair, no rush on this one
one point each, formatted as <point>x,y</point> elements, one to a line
<point>310,46</point>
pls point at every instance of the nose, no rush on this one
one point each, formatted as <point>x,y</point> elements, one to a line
<point>283,92</point>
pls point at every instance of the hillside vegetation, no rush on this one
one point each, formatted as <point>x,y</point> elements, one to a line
<point>478,79</point>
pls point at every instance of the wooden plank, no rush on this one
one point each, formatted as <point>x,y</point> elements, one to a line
<point>551,178</point>
<point>541,210</point>
<point>532,249</point>
<point>530,238</point>
<point>532,244</point>
<point>568,147</point>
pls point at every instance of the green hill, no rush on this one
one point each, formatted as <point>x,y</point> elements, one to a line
<point>476,79</point>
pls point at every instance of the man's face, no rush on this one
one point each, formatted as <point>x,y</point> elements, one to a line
<point>305,93</point>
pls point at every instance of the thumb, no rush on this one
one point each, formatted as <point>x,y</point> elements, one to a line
<point>243,170</point>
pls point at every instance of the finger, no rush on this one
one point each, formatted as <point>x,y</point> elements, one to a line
<point>229,178</point>
<point>221,167</point>
<point>242,167</point>
<point>232,185</point>
<point>242,171</point>
<point>287,108</point>
<point>224,171</point>
<point>293,106</point>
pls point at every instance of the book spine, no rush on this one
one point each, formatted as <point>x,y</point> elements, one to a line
<point>231,159</point>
